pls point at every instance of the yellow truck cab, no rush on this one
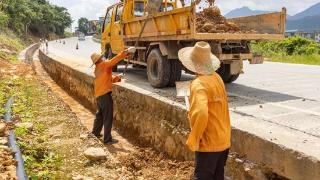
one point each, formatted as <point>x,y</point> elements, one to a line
<point>173,27</point>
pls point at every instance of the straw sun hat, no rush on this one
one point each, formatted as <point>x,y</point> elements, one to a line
<point>199,58</point>
<point>95,57</point>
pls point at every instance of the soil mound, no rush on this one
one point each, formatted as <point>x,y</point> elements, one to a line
<point>210,20</point>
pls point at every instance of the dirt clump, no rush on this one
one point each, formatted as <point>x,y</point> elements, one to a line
<point>210,20</point>
<point>147,163</point>
<point>7,163</point>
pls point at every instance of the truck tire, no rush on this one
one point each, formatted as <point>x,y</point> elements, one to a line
<point>158,69</point>
<point>233,78</point>
<point>110,56</point>
<point>175,74</point>
<point>225,74</point>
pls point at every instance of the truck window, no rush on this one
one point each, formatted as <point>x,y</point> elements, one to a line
<point>118,13</point>
<point>163,7</point>
<point>138,9</point>
<point>107,19</point>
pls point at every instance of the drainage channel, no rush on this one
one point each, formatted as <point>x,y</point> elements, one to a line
<point>21,174</point>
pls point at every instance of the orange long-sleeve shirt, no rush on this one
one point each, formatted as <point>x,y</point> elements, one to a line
<point>103,75</point>
<point>209,115</point>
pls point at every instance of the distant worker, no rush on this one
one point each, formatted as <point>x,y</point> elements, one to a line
<point>209,113</point>
<point>47,45</point>
<point>103,93</point>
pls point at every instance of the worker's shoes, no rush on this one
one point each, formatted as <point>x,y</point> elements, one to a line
<point>98,136</point>
<point>112,141</point>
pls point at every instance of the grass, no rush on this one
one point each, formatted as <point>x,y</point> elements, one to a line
<point>9,41</point>
<point>297,59</point>
<point>40,161</point>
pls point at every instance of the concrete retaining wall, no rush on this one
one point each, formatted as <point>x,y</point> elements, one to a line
<point>155,121</point>
<point>27,54</point>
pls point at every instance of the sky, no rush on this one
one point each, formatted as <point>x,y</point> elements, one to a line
<point>93,9</point>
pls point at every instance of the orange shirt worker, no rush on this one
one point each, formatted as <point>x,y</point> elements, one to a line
<point>209,113</point>
<point>103,93</point>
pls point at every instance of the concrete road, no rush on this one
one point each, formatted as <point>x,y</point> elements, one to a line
<point>285,96</point>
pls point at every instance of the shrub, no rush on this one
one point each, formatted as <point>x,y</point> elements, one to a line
<point>290,46</point>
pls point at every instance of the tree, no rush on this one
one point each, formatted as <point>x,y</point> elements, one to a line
<point>37,16</point>
<point>83,25</point>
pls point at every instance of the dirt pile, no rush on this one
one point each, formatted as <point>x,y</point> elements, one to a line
<point>147,163</point>
<point>210,20</point>
<point>7,163</point>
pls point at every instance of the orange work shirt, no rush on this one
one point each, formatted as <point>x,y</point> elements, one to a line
<point>103,75</point>
<point>209,115</point>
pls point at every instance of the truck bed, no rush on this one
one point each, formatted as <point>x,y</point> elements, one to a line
<point>179,25</point>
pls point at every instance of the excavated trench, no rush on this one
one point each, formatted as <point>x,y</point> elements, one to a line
<point>149,121</point>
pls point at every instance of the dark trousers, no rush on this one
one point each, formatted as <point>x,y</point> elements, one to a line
<point>104,116</point>
<point>210,165</point>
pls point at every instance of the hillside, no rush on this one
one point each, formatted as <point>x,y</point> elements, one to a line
<point>244,11</point>
<point>311,11</point>
<point>309,23</point>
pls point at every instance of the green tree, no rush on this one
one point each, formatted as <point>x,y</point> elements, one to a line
<point>83,25</point>
<point>36,16</point>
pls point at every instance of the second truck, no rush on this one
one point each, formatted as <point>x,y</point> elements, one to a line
<point>174,27</point>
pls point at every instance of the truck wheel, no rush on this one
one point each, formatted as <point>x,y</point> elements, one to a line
<point>158,69</point>
<point>175,74</point>
<point>110,56</point>
<point>233,78</point>
<point>224,72</point>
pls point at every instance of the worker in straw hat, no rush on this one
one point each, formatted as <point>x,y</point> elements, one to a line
<point>103,93</point>
<point>209,113</point>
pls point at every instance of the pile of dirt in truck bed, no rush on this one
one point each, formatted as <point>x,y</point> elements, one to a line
<point>210,20</point>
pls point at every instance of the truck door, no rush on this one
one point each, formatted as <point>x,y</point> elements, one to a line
<point>117,44</point>
<point>106,30</point>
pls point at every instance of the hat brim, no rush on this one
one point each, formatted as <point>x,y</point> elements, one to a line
<point>95,61</point>
<point>204,67</point>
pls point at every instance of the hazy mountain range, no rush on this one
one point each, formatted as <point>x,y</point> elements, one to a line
<point>307,20</point>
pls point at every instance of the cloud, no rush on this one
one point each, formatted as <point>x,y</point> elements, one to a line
<point>293,6</point>
<point>91,9</point>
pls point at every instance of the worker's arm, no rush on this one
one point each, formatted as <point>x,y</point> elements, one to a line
<point>115,60</point>
<point>198,115</point>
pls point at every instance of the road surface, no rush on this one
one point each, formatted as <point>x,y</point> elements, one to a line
<point>283,95</point>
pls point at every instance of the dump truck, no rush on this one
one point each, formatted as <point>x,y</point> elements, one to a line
<point>172,28</point>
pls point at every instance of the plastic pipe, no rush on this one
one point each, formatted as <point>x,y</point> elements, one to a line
<point>21,174</point>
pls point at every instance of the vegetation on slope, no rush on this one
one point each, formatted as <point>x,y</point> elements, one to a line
<point>290,50</point>
<point>36,16</point>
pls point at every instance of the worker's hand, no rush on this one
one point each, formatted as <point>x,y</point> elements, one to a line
<point>117,78</point>
<point>129,52</point>
<point>120,75</point>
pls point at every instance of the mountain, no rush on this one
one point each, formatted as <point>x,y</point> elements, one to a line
<point>309,23</point>
<point>307,20</point>
<point>311,11</point>
<point>244,11</point>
